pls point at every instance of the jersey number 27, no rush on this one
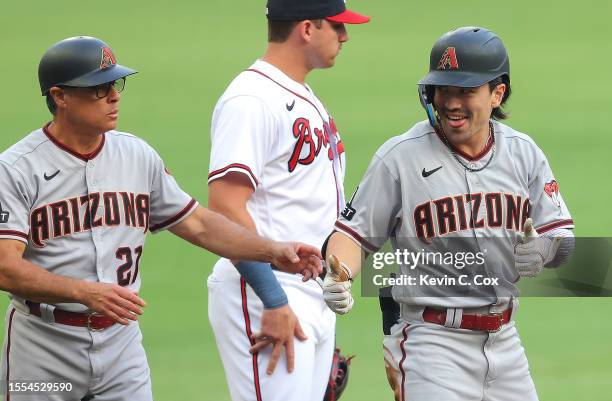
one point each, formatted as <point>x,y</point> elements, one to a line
<point>125,275</point>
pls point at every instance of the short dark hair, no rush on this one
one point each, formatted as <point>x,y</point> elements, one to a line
<point>51,104</point>
<point>279,31</point>
<point>499,113</point>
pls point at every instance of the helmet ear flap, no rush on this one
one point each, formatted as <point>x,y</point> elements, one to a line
<point>426,96</point>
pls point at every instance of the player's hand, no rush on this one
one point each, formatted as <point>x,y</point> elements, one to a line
<point>294,257</point>
<point>278,327</point>
<point>112,300</point>
<point>392,374</point>
<point>532,252</point>
<point>337,286</point>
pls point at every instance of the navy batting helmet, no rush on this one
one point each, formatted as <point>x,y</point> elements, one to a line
<point>81,61</point>
<point>467,57</point>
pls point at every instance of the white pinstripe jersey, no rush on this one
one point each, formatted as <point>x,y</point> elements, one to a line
<point>415,190</point>
<point>87,216</point>
<point>277,132</point>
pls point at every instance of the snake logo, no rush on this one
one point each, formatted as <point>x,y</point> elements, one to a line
<point>448,61</point>
<point>552,190</point>
<point>108,58</point>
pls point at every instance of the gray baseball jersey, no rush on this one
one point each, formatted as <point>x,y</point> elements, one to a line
<point>86,216</point>
<point>416,192</point>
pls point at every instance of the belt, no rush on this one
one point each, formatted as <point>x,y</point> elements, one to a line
<point>486,322</point>
<point>93,321</point>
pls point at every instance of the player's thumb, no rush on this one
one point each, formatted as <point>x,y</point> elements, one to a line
<point>298,332</point>
<point>333,265</point>
<point>528,231</point>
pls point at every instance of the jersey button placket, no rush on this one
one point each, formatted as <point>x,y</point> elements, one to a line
<point>473,188</point>
<point>96,233</point>
<point>473,180</point>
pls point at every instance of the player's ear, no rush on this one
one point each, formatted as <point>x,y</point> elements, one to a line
<point>498,95</point>
<point>59,96</point>
<point>306,28</point>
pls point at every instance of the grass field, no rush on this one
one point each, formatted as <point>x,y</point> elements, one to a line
<point>188,51</point>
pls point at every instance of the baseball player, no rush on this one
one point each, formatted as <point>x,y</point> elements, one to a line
<point>460,175</point>
<point>77,201</point>
<point>277,167</point>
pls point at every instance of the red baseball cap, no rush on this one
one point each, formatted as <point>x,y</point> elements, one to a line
<point>349,17</point>
<point>298,10</point>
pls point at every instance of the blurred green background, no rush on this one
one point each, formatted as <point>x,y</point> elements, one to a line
<point>188,51</point>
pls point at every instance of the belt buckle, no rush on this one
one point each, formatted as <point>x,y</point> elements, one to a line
<point>89,326</point>
<point>499,320</point>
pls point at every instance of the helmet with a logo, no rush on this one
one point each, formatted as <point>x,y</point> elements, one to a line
<point>467,57</point>
<point>81,61</point>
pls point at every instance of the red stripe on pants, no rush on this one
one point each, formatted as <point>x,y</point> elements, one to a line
<point>247,323</point>
<point>405,333</point>
<point>8,353</point>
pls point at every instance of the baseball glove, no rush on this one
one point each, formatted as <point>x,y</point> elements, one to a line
<point>338,378</point>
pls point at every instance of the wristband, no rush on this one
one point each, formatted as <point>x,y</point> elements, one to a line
<point>263,281</point>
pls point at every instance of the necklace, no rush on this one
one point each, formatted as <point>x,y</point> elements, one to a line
<point>465,166</point>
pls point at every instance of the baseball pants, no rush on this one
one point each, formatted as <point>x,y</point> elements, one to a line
<point>433,363</point>
<point>235,312</point>
<point>107,365</point>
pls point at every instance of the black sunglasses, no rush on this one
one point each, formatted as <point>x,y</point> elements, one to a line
<point>103,90</point>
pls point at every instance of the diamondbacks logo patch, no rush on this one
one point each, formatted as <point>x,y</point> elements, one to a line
<point>552,190</point>
<point>108,58</point>
<point>448,61</point>
<point>4,215</point>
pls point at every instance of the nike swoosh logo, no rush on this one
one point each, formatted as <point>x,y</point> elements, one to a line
<point>430,172</point>
<point>290,107</point>
<point>50,177</point>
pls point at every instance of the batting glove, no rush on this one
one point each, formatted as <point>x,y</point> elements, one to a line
<point>337,286</point>
<point>533,252</point>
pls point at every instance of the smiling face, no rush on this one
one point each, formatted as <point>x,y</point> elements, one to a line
<point>325,43</point>
<point>465,112</point>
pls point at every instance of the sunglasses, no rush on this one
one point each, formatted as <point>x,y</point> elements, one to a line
<point>103,90</point>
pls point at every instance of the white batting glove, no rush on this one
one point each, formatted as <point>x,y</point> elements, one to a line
<point>533,252</point>
<point>337,286</point>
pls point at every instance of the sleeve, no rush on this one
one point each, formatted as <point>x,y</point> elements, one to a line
<point>169,204</point>
<point>242,136</point>
<point>14,205</point>
<point>374,209</point>
<point>548,210</point>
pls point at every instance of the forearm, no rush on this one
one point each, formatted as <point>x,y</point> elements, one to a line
<point>232,241</point>
<point>26,280</point>
<point>347,251</point>
<point>259,276</point>
<point>223,237</point>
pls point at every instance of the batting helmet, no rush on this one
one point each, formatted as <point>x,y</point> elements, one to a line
<point>467,57</point>
<point>81,61</point>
